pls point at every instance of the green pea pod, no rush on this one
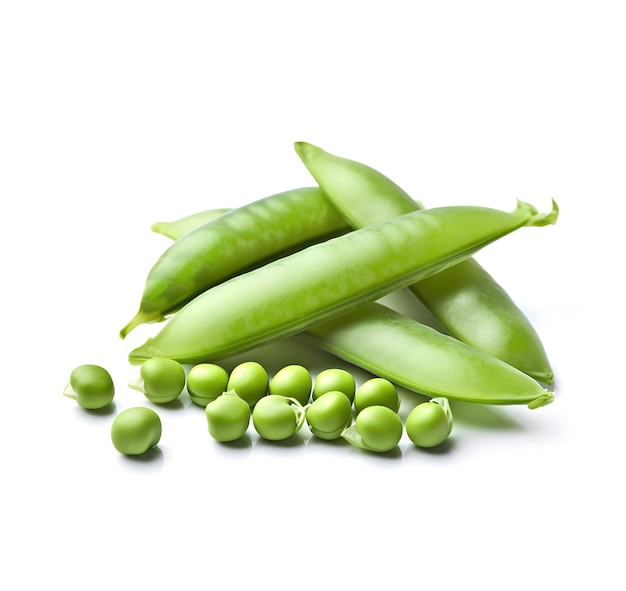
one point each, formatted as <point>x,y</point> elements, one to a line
<point>465,299</point>
<point>180,227</point>
<point>419,358</point>
<point>327,279</point>
<point>231,244</point>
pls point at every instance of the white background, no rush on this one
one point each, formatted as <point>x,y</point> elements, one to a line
<point>115,115</point>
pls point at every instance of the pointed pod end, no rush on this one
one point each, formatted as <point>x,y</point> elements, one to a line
<point>140,354</point>
<point>163,228</point>
<point>542,400</point>
<point>306,150</point>
<point>139,319</point>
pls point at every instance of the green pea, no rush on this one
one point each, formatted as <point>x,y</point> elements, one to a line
<point>276,417</point>
<point>136,430</point>
<point>334,380</point>
<point>161,380</point>
<point>228,417</point>
<point>376,428</point>
<point>250,380</point>
<point>205,382</point>
<point>91,386</point>
<point>377,391</point>
<point>430,423</point>
<point>293,381</point>
<point>329,414</point>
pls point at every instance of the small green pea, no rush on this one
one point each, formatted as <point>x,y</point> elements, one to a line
<point>329,414</point>
<point>334,380</point>
<point>91,386</point>
<point>275,417</point>
<point>293,381</point>
<point>378,428</point>
<point>228,417</point>
<point>162,380</point>
<point>136,430</point>
<point>377,391</point>
<point>205,382</point>
<point>430,423</point>
<point>250,380</point>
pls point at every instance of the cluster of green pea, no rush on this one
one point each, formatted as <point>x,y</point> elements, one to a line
<point>278,408</point>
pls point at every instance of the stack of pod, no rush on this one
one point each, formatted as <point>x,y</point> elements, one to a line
<point>227,285</point>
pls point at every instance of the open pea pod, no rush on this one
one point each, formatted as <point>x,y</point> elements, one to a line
<point>419,358</point>
<point>465,298</point>
<point>327,279</point>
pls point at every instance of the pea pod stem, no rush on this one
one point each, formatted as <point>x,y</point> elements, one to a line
<point>465,299</point>
<point>423,360</point>
<point>69,392</point>
<point>327,279</point>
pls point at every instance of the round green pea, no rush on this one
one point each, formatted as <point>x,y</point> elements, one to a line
<point>293,381</point>
<point>163,379</point>
<point>379,427</point>
<point>136,430</point>
<point>205,382</point>
<point>428,424</point>
<point>329,414</point>
<point>275,418</point>
<point>91,386</point>
<point>250,380</point>
<point>228,417</point>
<point>376,392</point>
<point>330,380</point>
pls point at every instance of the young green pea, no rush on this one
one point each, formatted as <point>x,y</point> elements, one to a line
<point>228,417</point>
<point>205,382</point>
<point>430,423</point>
<point>293,381</point>
<point>377,391</point>
<point>334,380</point>
<point>329,414</point>
<point>160,379</point>
<point>136,430</point>
<point>91,386</point>
<point>277,417</point>
<point>376,428</point>
<point>250,380</point>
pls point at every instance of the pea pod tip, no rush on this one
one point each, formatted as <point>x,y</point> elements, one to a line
<point>542,400</point>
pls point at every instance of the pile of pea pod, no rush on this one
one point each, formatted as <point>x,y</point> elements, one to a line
<point>312,262</point>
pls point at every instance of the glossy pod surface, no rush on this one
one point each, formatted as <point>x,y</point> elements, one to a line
<point>465,299</point>
<point>422,359</point>
<point>231,244</point>
<point>327,279</point>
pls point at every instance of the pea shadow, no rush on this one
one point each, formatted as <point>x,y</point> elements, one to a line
<point>176,404</point>
<point>444,449</point>
<point>295,441</point>
<point>153,458</point>
<point>484,417</point>
<point>242,443</point>
<point>384,456</point>
<point>107,411</point>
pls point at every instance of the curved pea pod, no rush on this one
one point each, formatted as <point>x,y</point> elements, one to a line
<point>327,279</point>
<point>177,228</point>
<point>465,299</point>
<point>419,358</point>
<point>233,243</point>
